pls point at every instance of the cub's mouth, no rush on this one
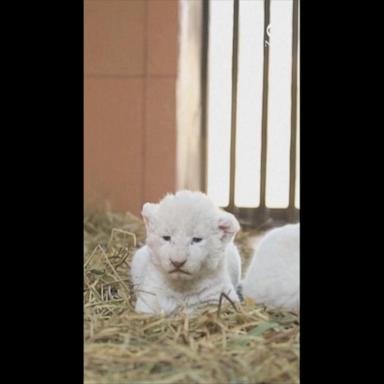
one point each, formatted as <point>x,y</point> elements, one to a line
<point>179,270</point>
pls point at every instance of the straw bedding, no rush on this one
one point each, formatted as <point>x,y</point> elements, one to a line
<point>247,343</point>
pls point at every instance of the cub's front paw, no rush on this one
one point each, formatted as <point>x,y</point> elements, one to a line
<point>231,293</point>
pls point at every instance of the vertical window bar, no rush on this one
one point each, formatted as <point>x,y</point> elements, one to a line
<point>235,50</point>
<point>204,93</point>
<point>292,180</point>
<point>264,116</point>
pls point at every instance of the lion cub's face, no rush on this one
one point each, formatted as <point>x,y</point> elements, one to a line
<point>187,234</point>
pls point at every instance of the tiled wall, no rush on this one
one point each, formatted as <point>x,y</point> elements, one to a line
<point>130,59</point>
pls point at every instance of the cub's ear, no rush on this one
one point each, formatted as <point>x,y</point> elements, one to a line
<point>229,225</point>
<point>148,213</point>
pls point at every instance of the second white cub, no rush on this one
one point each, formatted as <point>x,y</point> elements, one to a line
<point>273,276</point>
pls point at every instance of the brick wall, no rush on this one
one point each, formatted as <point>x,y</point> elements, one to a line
<point>130,65</point>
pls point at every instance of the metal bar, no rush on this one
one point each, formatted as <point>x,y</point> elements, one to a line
<point>235,56</point>
<point>257,217</point>
<point>292,177</point>
<point>204,94</point>
<point>264,116</point>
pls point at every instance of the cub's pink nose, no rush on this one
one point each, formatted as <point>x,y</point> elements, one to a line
<point>178,264</point>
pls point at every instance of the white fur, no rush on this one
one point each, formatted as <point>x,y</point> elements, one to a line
<point>213,264</point>
<point>273,275</point>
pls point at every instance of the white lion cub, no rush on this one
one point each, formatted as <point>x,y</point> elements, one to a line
<point>189,257</point>
<point>273,276</point>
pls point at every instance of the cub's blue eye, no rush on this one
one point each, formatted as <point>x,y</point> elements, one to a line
<point>196,239</point>
<point>167,238</point>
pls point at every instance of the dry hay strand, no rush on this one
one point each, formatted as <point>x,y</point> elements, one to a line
<point>240,344</point>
